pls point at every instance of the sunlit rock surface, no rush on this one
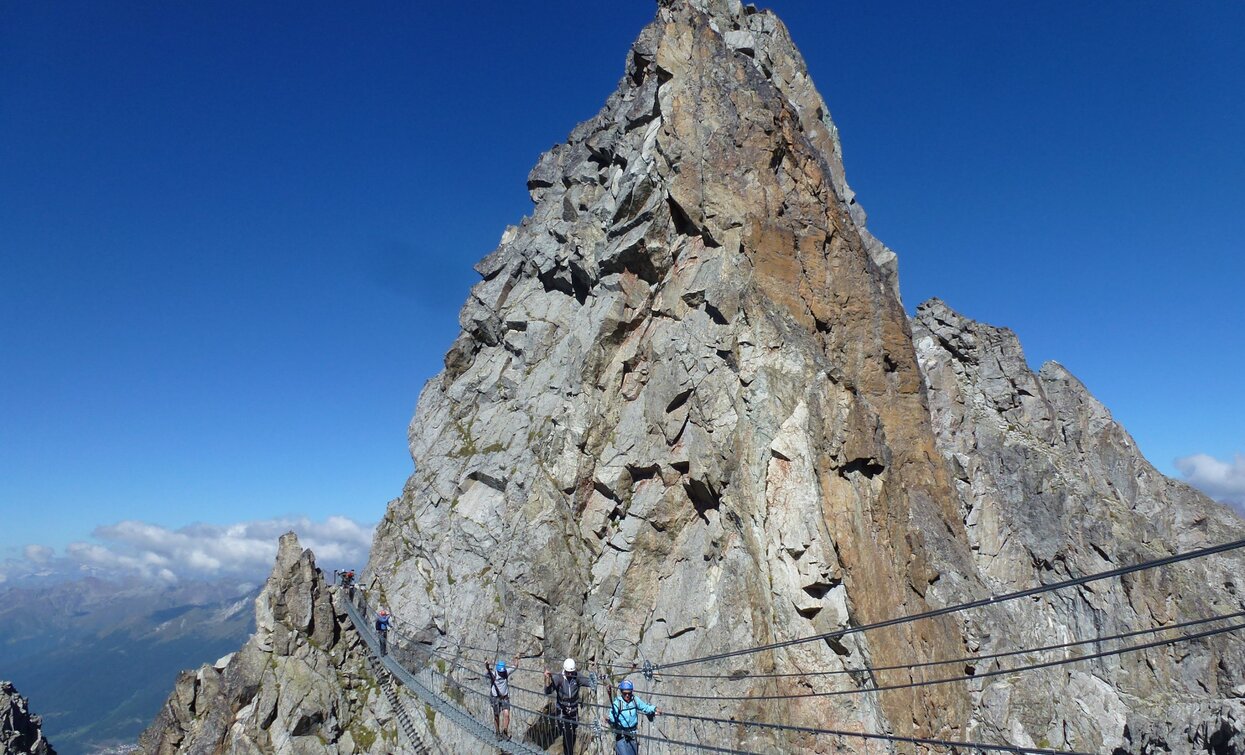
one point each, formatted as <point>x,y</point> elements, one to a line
<point>1050,486</point>
<point>688,414</point>
<point>684,413</point>
<point>300,685</point>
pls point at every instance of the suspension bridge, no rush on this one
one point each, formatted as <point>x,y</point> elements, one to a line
<point>454,690</point>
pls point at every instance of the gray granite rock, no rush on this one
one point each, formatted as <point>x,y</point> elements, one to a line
<point>21,731</point>
<point>301,685</point>
<point>686,413</point>
<point>667,425</point>
<point>1050,486</point>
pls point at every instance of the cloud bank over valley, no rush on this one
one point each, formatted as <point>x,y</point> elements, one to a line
<point>244,550</point>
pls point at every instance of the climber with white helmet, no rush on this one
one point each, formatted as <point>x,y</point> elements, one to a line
<point>567,687</point>
<point>625,719</point>
<point>499,676</point>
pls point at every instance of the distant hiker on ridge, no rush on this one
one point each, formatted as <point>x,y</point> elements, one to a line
<point>566,685</point>
<point>347,581</point>
<point>500,696</point>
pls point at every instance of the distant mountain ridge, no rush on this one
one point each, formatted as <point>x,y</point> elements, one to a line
<point>96,654</point>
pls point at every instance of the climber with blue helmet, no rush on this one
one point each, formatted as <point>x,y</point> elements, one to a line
<point>567,687</point>
<point>624,718</point>
<point>383,620</point>
<point>499,676</point>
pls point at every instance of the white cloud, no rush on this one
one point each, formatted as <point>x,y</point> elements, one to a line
<point>1221,480</point>
<point>39,554</point>
<point>244,550</point>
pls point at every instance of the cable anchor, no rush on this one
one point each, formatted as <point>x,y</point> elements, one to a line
<point>648,669</point>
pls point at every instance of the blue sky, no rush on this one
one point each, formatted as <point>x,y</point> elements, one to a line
<point>234,237</point>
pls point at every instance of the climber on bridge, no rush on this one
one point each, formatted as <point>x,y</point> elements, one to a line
<point>624,718</point>
<point>382,629</point>
<point>499,676</point>
<point>347,581</point>
<point>567,688</point>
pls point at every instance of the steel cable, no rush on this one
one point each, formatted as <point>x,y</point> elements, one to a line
<point>745,676</point>
<point>981,675</point>
<point>965,677</point>
<point>838,633</point>
<point>754,724</point>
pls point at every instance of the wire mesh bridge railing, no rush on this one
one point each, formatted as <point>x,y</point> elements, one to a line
<point>461,694</point>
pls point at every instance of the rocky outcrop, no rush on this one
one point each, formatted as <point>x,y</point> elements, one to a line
<point>684,413</point>
<point>1050,486</point>
<point>687,414</point>
<point>21,731</point>
<point>301,684</point>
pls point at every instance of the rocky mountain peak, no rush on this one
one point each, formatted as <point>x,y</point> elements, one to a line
<point>300,684</point>
<point>1048,481</point>
<point>21,731</point>
<point>728,10</point>
<point>687,414</point>
<point>295,603</point>
<point>686,382</point>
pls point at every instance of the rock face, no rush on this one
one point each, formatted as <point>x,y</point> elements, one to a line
<point>687,414</point>
<point>20,732</point>
<point>1050,486</point>
<point>301,684</point>
<point>684,413</point>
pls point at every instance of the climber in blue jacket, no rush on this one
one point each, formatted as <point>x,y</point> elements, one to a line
<point>382,629</point>
<point>624,718</point>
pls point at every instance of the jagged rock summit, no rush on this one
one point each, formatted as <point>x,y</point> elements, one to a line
<point>301,683</point>
<point>21,731</point>
<point>687,414</point>
<point>684,413</point>
<point>1050,485</point>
